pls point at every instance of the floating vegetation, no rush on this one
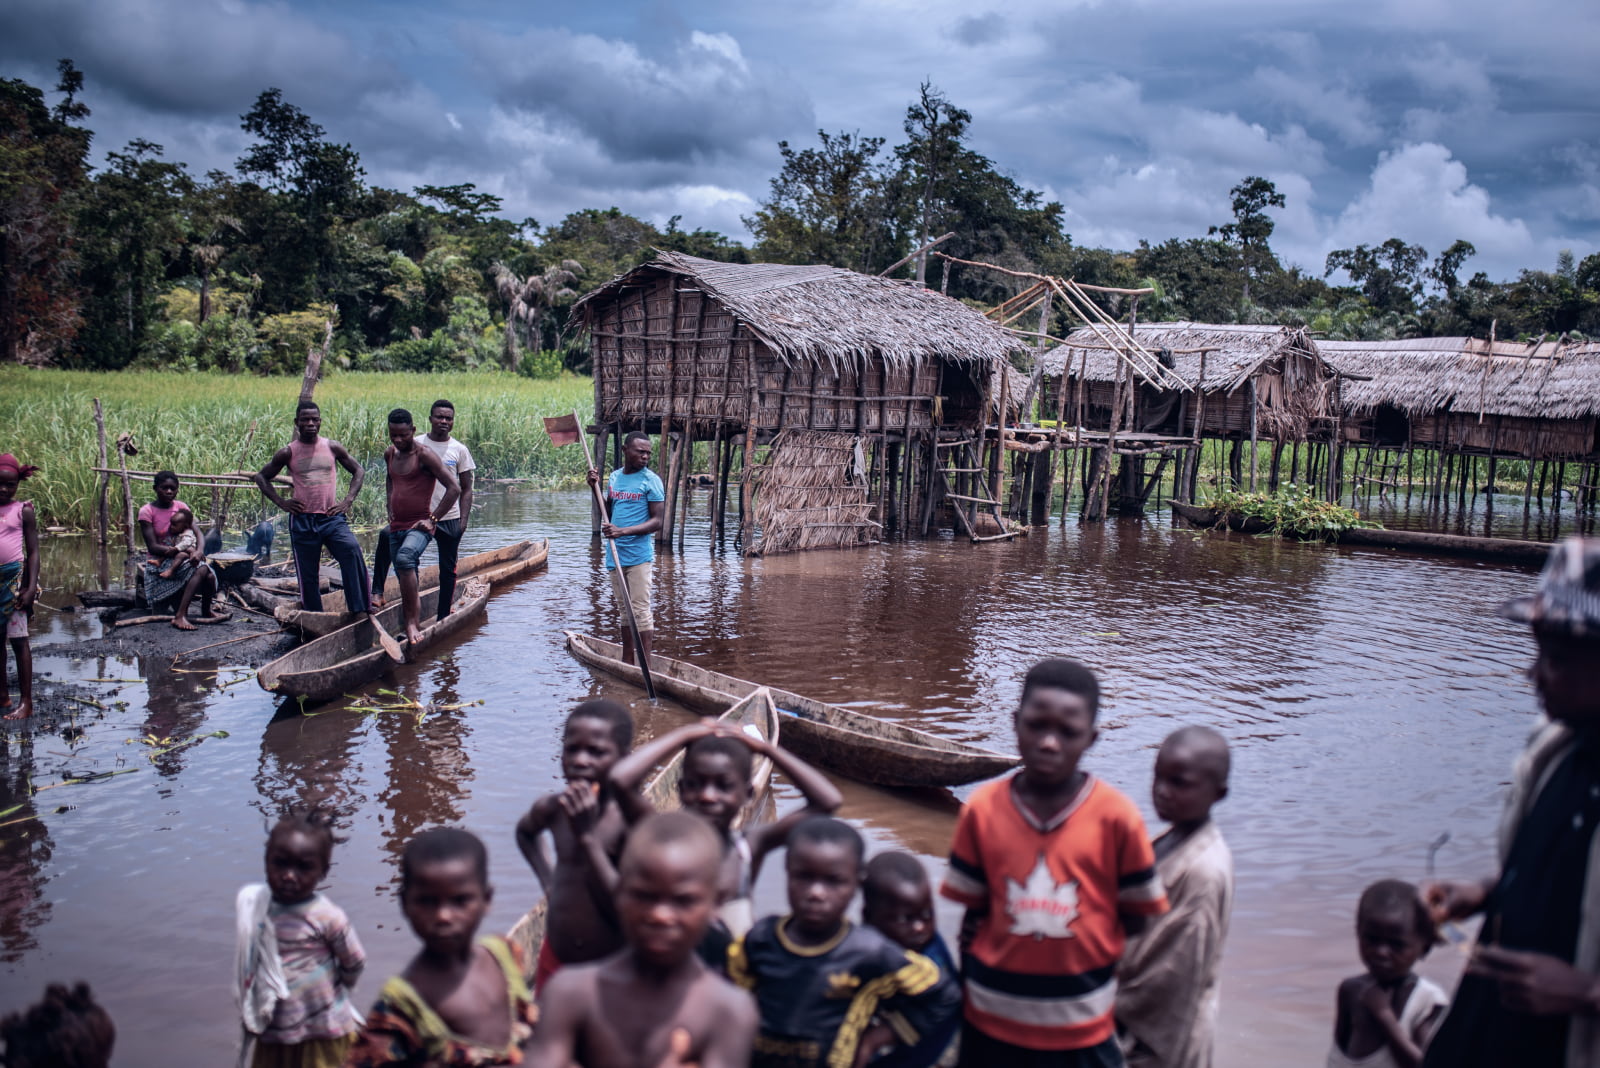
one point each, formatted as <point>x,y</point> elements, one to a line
<point>1294,511</point>
<point>398,702</point>
<point>161,746</point>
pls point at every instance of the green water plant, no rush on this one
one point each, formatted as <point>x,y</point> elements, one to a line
<point>1294,511</point>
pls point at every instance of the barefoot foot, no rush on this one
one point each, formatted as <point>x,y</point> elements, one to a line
<point>181,623</point>
<point>23,711</point>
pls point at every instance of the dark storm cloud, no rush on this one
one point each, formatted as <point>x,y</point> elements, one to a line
<point>979,29</point>
<point>700,101</point>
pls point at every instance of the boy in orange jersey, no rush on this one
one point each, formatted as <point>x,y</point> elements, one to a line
<point>1055,869</point>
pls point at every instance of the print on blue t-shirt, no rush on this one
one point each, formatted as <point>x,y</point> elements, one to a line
<point>630,497</point>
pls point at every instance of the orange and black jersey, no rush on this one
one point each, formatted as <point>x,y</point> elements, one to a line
<point>1040,973</point>
<point>816,1001</point>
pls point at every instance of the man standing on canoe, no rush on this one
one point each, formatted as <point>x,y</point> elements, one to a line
<point>316,513</point>
<point>412,472</point>
<point>452,525</point>
<point>635,508</point>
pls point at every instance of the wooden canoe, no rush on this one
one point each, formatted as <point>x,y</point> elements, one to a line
<point>335,664</point>
<point>1503,550</point>
<point>755,713</point>
<point>499,568</point>
<point>859,747</point>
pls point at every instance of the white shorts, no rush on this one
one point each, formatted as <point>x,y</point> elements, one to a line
<point>17,625</point>
<point>635,582</point>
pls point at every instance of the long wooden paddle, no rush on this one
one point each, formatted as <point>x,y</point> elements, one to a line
<point>559,435</point>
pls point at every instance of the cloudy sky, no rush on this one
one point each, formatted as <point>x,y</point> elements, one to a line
<point>1424,119</point>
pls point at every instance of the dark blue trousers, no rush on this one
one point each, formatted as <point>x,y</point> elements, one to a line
<point>309,534</point>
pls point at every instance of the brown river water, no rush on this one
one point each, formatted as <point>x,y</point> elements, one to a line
<point>1373,700</point>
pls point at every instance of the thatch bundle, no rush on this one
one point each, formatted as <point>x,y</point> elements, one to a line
<point>1293,386</point>
<point>830,315</point>
<point>811,493</point>
<point>1549,380</point>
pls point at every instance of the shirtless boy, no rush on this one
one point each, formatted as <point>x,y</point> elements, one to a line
<point>412,473</point>
<point>654,1002</point>
<point>582,818</point>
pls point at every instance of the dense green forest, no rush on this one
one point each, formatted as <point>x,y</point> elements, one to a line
<point>143,264</point>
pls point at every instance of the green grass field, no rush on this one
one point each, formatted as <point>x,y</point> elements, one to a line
<point>196,423</point>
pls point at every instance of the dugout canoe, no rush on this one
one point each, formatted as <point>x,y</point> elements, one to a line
<point>755,713</point>
<point>337,663</point>
<point>498,567</point>
<point>1500,550</point>
<point>857,746</point>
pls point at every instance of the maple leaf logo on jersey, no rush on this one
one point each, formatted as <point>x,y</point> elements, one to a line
<point>1042,907</point>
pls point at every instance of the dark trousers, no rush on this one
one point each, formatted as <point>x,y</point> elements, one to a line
<point>447,535</point>
<point>309,534</point>
<point>981,1050</point>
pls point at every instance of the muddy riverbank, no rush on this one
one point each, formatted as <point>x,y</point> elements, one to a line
<point>1373,700</point>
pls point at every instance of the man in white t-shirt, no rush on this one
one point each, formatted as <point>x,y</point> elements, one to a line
<point>451,526</point>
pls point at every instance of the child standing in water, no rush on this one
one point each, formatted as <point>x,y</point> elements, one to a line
<point>582,817</point>
<point>1387,1014</point>
<point>19,582</point>
<point>298,956</point>
<point>715,784</point>
<point>1167,996</point>
<point>654,1003</point>
<point>1056,870</point>
<point>461,1001</point>
<point>180,535</point>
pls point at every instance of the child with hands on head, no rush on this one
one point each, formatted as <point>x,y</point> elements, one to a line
<point>461,1000</point>
<point>1386,1015</point>
<point>298,957</point>
<point>654,1002</point>
<point>586,827</point>
<point>715,785</point>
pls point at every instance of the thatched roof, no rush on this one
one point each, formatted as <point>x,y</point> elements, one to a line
<point>1236,351</point>
<point>828,314</point>
<point>1551,380</point>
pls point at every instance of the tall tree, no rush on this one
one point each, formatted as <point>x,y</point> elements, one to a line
<point>1251,229</point>
<point>132,229</point>
<point>43,162</point>
<point>828,204</point>
<point>529,300</point>
<point>1389,276</point>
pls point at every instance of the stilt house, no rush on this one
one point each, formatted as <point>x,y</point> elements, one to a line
<point>857,374</point>
<point>1456,394</point>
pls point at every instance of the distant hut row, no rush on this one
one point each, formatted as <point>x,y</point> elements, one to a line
<point>836,409</point>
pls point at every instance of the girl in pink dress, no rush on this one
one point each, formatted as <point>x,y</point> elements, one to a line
<point>19,582</point>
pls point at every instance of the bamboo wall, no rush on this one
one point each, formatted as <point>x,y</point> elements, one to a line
<point>1507,435</point>
<point>665,350</point>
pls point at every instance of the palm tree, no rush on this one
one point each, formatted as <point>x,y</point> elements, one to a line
<point>529,300</point>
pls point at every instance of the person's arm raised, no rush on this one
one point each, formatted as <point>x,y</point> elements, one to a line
<point>582,809</point>
<point>263,480</point>
<point>822,797</point>
<point>628,774</point>
<point>534,823</point>
<point>358,475</point>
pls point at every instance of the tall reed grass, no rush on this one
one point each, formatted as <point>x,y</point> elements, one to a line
<point>196,422</point>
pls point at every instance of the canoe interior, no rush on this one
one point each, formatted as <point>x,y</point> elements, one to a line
<point>861,747</point>
<point>498,573</point>
<point>429,576</point>
<point>329,666</point>
<point>756,710</point>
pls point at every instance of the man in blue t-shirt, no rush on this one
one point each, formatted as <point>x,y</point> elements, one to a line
<point>635,506</point>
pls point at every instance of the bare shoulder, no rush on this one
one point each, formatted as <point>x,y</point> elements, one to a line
<point>732,1004</point>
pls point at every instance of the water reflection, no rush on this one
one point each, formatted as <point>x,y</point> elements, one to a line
<point>25,851</point>
<point>428,770</point>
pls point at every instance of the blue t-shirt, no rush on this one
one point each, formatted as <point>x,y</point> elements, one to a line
<point>630,497</point>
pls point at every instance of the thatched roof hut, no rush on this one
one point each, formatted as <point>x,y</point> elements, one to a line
<point>1537,401</point>
<point>778,346</point>
<point>1279,367</point>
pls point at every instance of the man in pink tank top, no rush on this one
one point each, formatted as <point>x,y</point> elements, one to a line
<point>316,511</point>
<point>412,472</point>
